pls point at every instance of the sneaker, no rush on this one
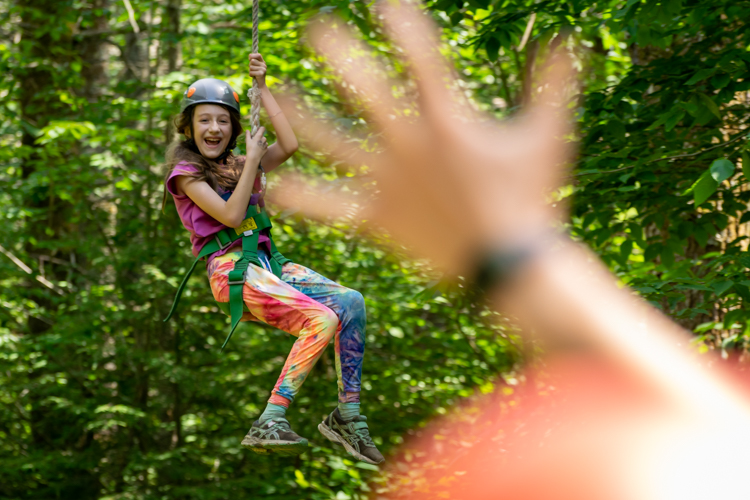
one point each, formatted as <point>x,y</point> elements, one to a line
<point>353,434</point>
<point>274,435</point>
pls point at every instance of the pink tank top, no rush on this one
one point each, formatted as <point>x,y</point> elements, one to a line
<point>201,226</point>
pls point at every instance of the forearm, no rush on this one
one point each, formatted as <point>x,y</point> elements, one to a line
<point>236,206</point>
<point>284,134</point>
<point>568,294</point>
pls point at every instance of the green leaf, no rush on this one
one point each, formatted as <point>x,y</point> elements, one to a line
<point>667,257</point>
<point>674,120</point>
<point>743,291</point>
<point>732,317</point>
<point>691,106</point>
<point>746,165</point>
<point>661,120</point>
<point>616,129</point>
<point>300,479</point>
<point>636,232</point>
<point>721,287</point>
<point>492,46</point>
<point>703,188</point>
<point>720,81</point>
<point>125,184</point>
<point>700,75</point>
<point>590,217</point>
<point>652,251</point>
<point>721,170</point>
<point>366,466</point>
<point>701,236</point>
<point>710,105</point>
<point>625,249</point>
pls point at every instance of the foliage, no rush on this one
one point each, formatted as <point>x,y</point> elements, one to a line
<point>103,400</point>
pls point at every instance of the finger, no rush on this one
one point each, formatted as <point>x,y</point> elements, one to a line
<point>363,76</point>
<point>417,36</point>
<point>259,134</point>
<point>323,138</point>
<point>549,117</point>
<point>550,112</point>
<point>295,191</point>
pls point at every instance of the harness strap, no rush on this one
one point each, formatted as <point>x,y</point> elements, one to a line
<point>209,248</point>
<point>249,231</point>
<point>237,280</point>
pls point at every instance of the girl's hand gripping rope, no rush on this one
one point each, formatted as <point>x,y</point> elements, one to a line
<point>257,69</point>
<point>257,146</point>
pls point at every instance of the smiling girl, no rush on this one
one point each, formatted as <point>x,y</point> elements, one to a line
<point>219,198</point>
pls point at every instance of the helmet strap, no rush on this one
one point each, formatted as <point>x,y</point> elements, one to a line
<point>191,145</point>
<point>228,150</point>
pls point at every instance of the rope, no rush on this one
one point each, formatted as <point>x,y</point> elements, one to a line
<point>254,92</point>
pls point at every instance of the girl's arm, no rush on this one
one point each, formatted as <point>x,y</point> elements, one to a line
<point>286,142</point>
<point>231,213</point>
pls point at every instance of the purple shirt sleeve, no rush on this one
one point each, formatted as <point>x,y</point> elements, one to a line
<point>201,226</point>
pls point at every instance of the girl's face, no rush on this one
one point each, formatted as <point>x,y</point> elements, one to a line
<point>212,128</point>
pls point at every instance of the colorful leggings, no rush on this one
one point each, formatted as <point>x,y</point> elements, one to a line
<point>308,306</point>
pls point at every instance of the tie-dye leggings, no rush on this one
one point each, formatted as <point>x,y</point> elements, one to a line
<point>308,306</point>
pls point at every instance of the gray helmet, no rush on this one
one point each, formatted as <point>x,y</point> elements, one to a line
<point>210,91</point>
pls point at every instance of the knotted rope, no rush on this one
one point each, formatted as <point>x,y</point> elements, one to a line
<point>254,92</point>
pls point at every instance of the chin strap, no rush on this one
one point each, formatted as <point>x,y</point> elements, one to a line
<point>226,152</point>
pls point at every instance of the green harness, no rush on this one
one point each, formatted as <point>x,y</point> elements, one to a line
<point>256,221</point>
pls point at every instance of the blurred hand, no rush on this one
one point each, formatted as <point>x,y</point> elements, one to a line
<point>450,182</point>
<point>257,68</point>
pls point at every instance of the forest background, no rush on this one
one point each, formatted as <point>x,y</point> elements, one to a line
<point>100,399</point>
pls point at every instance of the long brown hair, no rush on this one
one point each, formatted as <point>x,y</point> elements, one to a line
<point>184,150</point>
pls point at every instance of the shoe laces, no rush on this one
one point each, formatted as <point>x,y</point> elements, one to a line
<point>278,424</point>
<point>363,433</point>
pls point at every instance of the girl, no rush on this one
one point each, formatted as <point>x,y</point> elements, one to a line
<point>213,191</point>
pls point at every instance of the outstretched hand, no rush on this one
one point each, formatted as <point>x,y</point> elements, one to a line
<point>450,182</point>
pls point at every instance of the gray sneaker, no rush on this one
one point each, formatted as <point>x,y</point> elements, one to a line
<point>353,435</point>
<point>274,436</point>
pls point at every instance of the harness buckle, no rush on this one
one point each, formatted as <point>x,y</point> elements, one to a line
<point>238,282</point>
<point>237,276</point>
<point>221,245</point>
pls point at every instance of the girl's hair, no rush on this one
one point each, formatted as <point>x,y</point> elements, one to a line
<point>184,150</point>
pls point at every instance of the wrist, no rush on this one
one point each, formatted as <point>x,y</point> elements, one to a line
<point>252,160</point>
<point>498,265</point>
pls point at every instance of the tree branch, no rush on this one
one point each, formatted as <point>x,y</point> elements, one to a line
<point>742,135</point>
